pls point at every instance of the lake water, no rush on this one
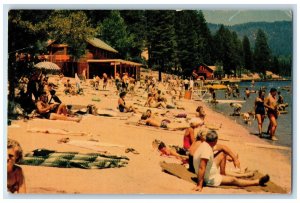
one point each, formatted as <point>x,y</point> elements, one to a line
<point>284,128</point>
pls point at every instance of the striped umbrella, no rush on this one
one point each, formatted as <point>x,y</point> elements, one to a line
<point>47,66</point>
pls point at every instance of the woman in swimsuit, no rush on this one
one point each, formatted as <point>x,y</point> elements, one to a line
<point>122,105</point>
<point>260,111</point>
<point>189,134</point>
<point>15,176</point>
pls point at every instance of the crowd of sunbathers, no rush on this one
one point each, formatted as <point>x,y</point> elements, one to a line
<point>206,158</point>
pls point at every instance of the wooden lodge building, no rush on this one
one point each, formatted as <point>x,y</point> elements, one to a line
<point>99,58</point>
<point>206,71</point>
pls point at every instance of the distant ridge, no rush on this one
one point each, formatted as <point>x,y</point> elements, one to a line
<point>280,34</point>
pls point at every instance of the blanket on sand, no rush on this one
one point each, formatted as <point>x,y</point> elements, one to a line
<point>44,157</point>
<point>181,172</point>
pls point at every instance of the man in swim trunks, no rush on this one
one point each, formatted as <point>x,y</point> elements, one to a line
<point>53,111</point>
<point>207,169</point>
<point>272,111</point>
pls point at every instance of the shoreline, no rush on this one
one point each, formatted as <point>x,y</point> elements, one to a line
<point>143,174</point>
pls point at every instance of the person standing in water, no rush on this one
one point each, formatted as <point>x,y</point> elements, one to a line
<point>271,104</point>
<point>260,111</point>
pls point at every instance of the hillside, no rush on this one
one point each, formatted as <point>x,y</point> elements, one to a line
<point>280,34</point>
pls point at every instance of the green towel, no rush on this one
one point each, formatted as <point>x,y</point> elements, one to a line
<point>50,158</point>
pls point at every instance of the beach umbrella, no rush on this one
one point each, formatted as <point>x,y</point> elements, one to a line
<point>47,66</point>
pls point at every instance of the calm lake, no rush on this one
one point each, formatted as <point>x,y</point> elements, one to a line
<point>284,129</point>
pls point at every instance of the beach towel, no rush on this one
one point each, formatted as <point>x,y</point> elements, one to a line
<point>51,158</point>
<point>181,172</point>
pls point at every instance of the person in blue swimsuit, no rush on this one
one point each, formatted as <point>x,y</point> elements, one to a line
<point>260,111</point>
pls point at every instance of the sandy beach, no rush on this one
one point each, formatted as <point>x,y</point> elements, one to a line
<point>142,174</point>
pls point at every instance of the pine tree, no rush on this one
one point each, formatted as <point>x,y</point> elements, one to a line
<point>248,56</point>
<point>205,40</point>
<point>135,21</point>
<point>187,41</point>
<point>161,39</point>
<point>224,49</point>
<point>237,54</point>
<point>262,53</point>
<point>113,30</point>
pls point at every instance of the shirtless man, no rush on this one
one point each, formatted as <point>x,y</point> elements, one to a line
<point>53,111</point>
<point>15,176</point>
<point>271,104</point>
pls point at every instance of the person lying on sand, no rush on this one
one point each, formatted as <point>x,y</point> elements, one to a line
<point>206,167</point>
<point>148,119</point>
<point>15,176</point>
<point>168,151</point>
<point>122,105</point>
<point>53,111</point>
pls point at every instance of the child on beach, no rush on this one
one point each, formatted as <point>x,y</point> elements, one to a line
<point>15,176</point>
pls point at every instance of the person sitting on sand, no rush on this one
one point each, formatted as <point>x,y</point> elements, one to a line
<point>160,98</point>
<point>152,103</point>
<point>53,111</point>
<point>122,105</point>
<point>200,112</point>
<point>219,150</point>
<point>189,134</point>
<point>206,167</point>
<point>15,176</point>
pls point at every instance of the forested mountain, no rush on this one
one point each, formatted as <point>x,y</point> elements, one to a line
<point>279,34</point>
